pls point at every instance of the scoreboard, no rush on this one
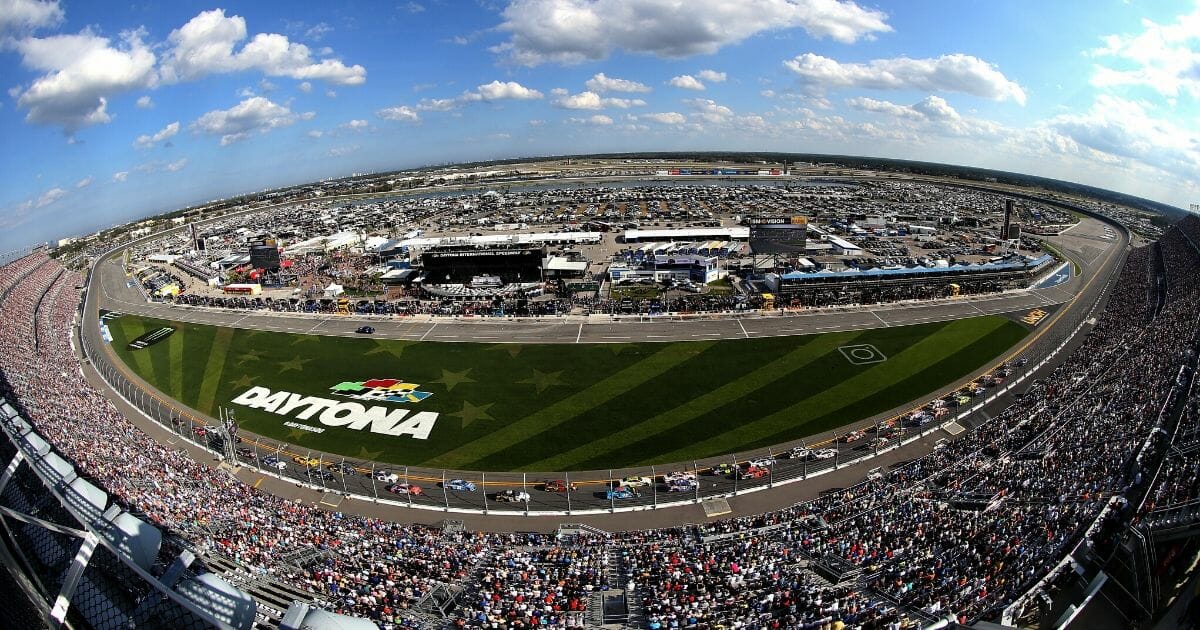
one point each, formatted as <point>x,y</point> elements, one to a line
<point>778,234</point>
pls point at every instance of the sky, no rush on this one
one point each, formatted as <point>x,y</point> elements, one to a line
<point>114,111</point>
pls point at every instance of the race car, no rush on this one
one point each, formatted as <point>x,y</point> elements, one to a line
<point>318,474</point>
<point>245,453</point>
<point>512,496</point>
<point>306,461</point>
<point>386,477</point>
<point>855,436</point>
<point>622,492</point>
<point>800,453</point>
<point>724,468</point>
<point>753,472</point>
<point>270,461</point>
<point>199,431</point>
<point>557,485</point>
<point>671,477</point>
<point>636,482</point>
<point>682,484</point>
<point>405,488</point>
<point>762,462</point>
<point>460,485</point>
<point>823,453</point>
<point>341,467</point>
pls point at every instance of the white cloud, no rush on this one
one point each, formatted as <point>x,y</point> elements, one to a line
<point>488,92</point>
<point>331,93</point>
<point>81,72</point>
<point>601,84</point>
<point>315,133</point>
<point>21,16</point>
<point>340,151</point>
<point>305,87</point>
<point>664,118</point>
<point>146,141</point>
<point>402,113</point>
<point>205,45</point>
<point>497,90</point>
<point>591,100</point>
<point>1127,130</point>
<point>948,73</point>
<point>120,176</point>
<point>1163,57</point>
<point>318,31</point>
<point>686,82</point>
<point>709,110</point>
<point>253,115</point>
<point>598,119</point>
<point>177,165</point>
<point>712,76</point>
<point>931,116</point>
<point>49,197</point>
<point>537,122</point>
<point>356,125</point>
<point>889,108</point>
<point>573,31</point>
<point>144,102</point>
<point>84,183</point>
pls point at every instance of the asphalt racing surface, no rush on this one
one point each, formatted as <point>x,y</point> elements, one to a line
<point>588,504</point>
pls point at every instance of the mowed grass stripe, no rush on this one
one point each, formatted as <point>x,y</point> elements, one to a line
<point>141,360</point>
<point>565,409</point>
<point>920,355</point>
<point>704,372</point>
<point>214,370</point>
<point>966,360</point>
<point>766,376</point>
<point>175,361</point>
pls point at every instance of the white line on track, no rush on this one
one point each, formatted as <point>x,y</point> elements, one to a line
<point>427,332</point>
<point>706,334</point>
<point>880,319</point>
<point>607,337</point>
<point>739,321</point>
<point>580,333</point>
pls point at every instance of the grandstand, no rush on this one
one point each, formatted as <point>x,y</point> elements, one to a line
<point>113,527</point>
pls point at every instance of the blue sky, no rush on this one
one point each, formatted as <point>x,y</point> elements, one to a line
<point>113,112</point>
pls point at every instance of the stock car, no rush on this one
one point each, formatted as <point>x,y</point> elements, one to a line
<point>753,472</point>
<point>317,473</point>
<point>636,482</point>
<point>341,467</point>
<point>245,453</point>
<point>799,452</point>
<point>682,484</point>
<point>724,468</point>
<point>512,496</point>
<point>823,453</point>
<point>558,485</point>
<point>365,330</point>
<point>622,492</point>
<point>405,488</point>
<point>386,477</point>
<point>306,461</point>
<point>270,461</point>
<point>199,431</point>
<point>762,462</point>
<point>460,485</point>
<point>679,475</point>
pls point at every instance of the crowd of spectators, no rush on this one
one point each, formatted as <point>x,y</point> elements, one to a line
<point>962,532</point>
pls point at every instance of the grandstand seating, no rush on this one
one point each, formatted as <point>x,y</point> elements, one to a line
<point>884,551</point>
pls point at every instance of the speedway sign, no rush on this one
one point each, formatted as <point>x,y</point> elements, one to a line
<point>350,415</point>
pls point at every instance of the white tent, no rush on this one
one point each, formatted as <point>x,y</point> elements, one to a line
<point>334,290</point>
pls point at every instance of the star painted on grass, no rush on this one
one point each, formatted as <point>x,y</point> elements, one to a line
<point>543,380</point>
<point>296,364</point>
<point>253,355</point>
<point>295,434</point>
<point>470,413</point>
<point>394,348</point>
<point>513,349</point>
<point>245,381</point>
<point>363,453</point>
<point>302,338</point>
<point>618,348</point>
<point>450,379</point>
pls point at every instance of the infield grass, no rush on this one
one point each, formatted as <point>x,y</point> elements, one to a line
<point>551,407</point>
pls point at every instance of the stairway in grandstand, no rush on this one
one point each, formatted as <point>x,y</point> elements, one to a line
<point>272,596</point>
<point>619,606</point>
